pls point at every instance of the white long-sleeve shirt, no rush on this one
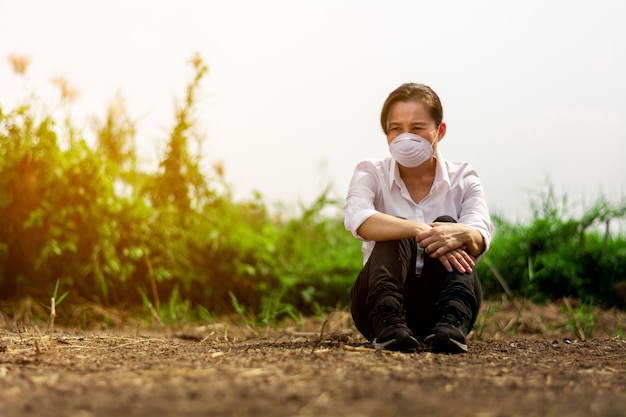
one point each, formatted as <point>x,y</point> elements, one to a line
<point>376,187</point>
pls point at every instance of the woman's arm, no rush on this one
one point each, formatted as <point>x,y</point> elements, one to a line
<point>381,227</point>
<point>444,243</point>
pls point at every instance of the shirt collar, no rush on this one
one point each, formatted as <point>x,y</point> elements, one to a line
<point>394,173</point>
<point>442,174</point>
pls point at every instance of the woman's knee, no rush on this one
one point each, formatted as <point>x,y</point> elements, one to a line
<point>445,219</point>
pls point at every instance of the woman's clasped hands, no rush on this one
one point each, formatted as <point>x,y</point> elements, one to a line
<point>444,241</point>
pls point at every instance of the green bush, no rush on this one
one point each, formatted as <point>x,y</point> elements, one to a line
<point>558,255</point>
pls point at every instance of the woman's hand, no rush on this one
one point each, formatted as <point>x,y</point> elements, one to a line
<point>447,242</point>
<point>457,259</point>
<point>442,238</point>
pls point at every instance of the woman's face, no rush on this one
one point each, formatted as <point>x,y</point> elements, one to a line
<point>412,117</point>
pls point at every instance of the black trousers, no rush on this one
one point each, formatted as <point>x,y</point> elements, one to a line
<point>389,274</point>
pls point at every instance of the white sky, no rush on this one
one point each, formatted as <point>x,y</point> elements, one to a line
<point>533,91</point>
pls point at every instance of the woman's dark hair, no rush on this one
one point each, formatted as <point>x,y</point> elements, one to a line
<point>413,92</point>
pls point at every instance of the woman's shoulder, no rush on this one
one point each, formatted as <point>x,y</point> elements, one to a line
<point>461,172</point>
<point>374,164</point>
<point>458,166</point>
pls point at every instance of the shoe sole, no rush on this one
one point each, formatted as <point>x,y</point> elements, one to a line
<point>445,345</point>
<point>403,344</point>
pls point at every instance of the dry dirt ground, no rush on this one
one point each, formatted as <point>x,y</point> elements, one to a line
<point>523,360</point>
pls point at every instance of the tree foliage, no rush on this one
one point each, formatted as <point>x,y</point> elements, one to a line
<point>89,218</point>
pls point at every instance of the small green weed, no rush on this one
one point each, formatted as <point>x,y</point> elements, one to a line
<point>491,309</point>
<point>582,319</point>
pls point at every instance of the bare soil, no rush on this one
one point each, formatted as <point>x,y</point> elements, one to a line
<point>523,360</point>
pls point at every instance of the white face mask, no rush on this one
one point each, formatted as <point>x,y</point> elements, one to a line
<point>410,150</point>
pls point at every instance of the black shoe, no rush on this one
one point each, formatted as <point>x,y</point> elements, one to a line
<point>448,335</point>
<point>392,331</point>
